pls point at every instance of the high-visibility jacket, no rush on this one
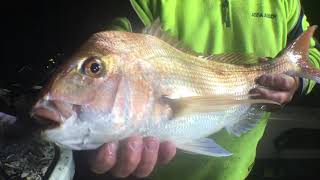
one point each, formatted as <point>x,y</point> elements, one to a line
<point>260,27</point>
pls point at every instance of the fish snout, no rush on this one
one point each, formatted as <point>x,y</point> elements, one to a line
<point>51,113</point>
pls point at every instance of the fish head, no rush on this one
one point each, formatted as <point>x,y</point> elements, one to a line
<point>101,94</point>
<point>81,92</point>
<point>91,76</point>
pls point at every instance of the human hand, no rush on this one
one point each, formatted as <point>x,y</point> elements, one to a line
<point>279,88</point>
<point>134,155</point>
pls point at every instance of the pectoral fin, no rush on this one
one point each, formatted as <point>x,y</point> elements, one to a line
<point>198,104</point>
<point>204,146</point>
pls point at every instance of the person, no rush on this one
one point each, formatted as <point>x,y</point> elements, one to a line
<point>257,27</point>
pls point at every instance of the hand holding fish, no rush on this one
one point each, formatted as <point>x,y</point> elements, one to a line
<point>134,155</point>
<point>279,88</point>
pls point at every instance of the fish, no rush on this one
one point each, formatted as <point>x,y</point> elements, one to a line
<point>122,83</point>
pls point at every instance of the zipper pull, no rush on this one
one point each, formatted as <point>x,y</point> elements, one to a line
<point>226,13</point>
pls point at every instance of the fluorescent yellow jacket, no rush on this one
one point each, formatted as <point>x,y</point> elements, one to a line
<point>260,27</point>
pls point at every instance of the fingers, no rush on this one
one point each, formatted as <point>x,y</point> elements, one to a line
<point>279,88</point>
<point>167,151</point>
<point>104,158</point>
<point>277,96</point>
<point>134,155</point>
<point>129,156</point>
<point>149,157</point>
<point>280,82</point>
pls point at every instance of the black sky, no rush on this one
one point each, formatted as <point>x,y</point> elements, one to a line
<point>35,31</point>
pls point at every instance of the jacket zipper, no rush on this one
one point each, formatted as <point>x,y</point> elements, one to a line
<point>226,13</point>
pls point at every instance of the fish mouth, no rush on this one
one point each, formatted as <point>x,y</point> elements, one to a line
<point>50,114</point>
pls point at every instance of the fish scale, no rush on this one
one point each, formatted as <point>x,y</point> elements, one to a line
<point>203,80</point>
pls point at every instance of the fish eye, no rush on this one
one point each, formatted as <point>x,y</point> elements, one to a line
<point>93,67</point>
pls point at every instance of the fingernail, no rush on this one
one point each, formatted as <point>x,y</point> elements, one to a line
<point>135,145</point>
<point>151,145</point>
<point>111,149</point>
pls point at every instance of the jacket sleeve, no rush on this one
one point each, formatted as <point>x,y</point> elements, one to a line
<point>297,23</point>
<point>121,24</point>
<point>146,11</point>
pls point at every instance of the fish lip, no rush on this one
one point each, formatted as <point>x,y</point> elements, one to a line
<point>50,114</point>
<point>43,117</point>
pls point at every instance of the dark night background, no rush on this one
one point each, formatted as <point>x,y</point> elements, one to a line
<point>35,31</point>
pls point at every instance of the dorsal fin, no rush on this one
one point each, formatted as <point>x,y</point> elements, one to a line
<point>155,29</point>
<point>236,58</point>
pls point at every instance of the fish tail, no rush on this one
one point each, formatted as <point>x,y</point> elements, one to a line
<point>297,53</point>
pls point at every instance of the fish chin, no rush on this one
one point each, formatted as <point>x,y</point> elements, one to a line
<point>72,134</point>
<point>80,133</point>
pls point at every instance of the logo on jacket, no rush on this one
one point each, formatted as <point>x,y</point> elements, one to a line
<point>264,15</point>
